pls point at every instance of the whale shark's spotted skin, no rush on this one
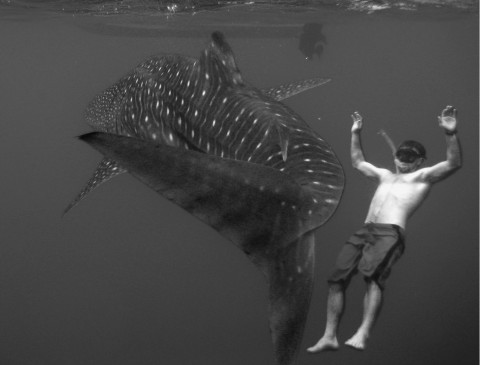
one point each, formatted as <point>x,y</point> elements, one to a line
<point>232,155</point>
<point>104,112</point>
<point>180,102</point>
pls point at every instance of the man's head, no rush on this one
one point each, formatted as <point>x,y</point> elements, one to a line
<point>409,156</point>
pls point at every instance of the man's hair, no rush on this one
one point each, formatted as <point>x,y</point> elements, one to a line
<point>415,146</point>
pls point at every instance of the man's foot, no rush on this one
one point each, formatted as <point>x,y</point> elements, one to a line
<point>358,341</point>
<point>324,344</point>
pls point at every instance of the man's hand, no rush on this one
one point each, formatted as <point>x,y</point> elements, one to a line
<point>448,119</point>
<point>357,122</point>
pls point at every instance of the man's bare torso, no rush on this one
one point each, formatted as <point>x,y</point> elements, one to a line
<point>397,197</point>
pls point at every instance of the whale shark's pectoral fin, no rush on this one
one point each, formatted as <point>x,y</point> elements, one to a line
<point>285,91</point>
<point>260,209</point>
<point>105,170</point>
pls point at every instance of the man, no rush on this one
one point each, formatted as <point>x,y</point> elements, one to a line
<point>374,249</point>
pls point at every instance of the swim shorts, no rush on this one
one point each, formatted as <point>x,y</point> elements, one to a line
<point>372,250</point>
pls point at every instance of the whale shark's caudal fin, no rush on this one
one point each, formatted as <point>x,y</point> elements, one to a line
<point>260,209</point>
<point>105,170</point>
<point>291,286</point>
<point>285,91</point>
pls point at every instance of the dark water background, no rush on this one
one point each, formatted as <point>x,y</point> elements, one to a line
<point>129,278</point>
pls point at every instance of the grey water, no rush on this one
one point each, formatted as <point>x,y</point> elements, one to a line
<point>128,278</point>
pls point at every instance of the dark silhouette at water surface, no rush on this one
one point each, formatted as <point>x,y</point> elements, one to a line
<point>312,40</point>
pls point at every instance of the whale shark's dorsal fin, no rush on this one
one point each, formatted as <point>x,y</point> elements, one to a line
<point>285,91</point>
<point>261,210</point>
<point>105,170</point>
<point>217,63</point>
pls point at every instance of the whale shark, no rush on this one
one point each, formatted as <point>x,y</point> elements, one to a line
<point>232,155</point>
<point>108,169</point>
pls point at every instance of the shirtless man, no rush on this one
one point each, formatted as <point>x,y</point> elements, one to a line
<point>380,242</point>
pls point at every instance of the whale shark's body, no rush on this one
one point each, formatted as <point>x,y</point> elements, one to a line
<point>232,155</point>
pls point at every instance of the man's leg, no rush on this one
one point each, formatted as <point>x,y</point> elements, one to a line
<point>335,305</point>
<point>372,305</point>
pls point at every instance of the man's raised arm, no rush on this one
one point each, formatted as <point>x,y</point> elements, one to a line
<point>448,121</point>
<point>356,151</point>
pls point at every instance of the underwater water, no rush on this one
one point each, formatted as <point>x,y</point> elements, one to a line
<point>128,278</point>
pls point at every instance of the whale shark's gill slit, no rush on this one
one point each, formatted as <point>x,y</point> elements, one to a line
<point>282,140</point>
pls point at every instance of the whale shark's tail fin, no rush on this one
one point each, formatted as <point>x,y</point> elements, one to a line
<point>258,208</point>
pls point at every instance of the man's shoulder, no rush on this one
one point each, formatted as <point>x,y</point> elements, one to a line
<point>417,176</point>
<point>384,173</point>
